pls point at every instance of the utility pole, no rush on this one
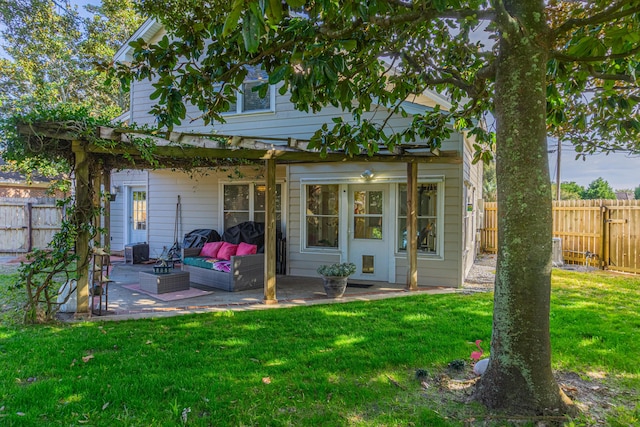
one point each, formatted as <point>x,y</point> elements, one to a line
<point>558,171</point>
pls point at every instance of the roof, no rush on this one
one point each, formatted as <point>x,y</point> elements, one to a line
<point>624,195</point>
<point>146,32</point>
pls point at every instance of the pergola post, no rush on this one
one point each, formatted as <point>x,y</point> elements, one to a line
<point>83,207</point>
<point>412,226</point>
<point>270,233</point>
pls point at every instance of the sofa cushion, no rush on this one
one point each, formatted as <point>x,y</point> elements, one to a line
<point>246,249</point>
<point>200,261</point>
<point>227,251</point>
<point>210,250</point>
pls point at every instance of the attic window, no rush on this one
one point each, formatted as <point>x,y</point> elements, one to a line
<point>249,101</point>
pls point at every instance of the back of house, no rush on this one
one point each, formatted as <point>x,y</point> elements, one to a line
<point>327,212</point>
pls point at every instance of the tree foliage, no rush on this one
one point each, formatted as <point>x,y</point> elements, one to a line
<point>636,192</point>
<point>565,67</point>
<point>599,189</point>
<point>489,190</point>
<point>568,191</point>
<point>51,53</point>
<point>51,62</point>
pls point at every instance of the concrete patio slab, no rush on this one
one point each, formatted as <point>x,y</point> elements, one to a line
<point>290,291</point>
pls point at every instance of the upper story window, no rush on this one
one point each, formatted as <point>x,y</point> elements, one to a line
<point>249,101</point>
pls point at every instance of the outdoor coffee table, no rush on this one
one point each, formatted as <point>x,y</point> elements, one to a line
<point>163,283</point>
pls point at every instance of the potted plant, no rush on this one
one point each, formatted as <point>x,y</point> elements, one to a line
<point>335,277</point>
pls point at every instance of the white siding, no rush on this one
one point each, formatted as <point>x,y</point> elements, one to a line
<point>285,122</point>
<point>199,199</point>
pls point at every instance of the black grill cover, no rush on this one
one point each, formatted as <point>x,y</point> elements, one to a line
<point>248,232</point>
<point>197,238</point>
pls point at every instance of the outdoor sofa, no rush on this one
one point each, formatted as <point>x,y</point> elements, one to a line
<point>228,271</point>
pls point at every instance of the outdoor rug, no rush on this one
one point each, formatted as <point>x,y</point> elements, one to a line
<point>170,296</point>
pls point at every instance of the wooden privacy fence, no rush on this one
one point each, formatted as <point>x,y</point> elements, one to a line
<point>600,233</point>
<point>24,226</point>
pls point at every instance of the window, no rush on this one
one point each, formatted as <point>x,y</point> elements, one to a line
<point>427,208</point>
<point>139,210</point>
<point>321,218</point>
<point>367,215</point>
<point>250,101</point>
<point>246,202</point>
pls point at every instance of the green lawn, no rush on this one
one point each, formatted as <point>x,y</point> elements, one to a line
<point>332,365</point>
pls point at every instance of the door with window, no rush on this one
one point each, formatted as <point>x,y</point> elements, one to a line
<point>137,214</point>
<point>368,231</point>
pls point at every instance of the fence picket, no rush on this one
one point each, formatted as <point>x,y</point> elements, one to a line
<point>601,233</point>
<point>14,238</point>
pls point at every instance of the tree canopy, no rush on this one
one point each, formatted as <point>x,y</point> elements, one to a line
<point>52,51</point>
<point>599,189</point>
<point>50,62</point>
<point>562,67</point>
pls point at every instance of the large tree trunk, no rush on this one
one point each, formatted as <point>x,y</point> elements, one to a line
<point>519,377</point>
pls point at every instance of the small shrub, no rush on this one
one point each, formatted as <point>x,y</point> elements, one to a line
<point>337,270</point>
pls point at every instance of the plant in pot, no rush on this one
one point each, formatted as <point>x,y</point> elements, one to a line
<point>335,277</point>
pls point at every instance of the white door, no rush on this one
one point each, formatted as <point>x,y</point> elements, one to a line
<point>137,214</point>
<point>368,233</point>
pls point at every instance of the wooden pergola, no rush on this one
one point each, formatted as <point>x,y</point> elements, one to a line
<point>113,148</point>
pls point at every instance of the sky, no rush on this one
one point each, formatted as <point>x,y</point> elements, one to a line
<point>620,170</point>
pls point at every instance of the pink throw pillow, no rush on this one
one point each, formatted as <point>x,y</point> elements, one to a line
<point>227,251</point>
<point>246,249</point>
<point>210,250</point>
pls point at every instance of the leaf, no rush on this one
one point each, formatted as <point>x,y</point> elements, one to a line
<point>278,74</point>
<point>275,10</point>
<point>85,359</point>
<point>232,19</point>
<point>266,380</point>
<point>105,406</point>
<point>251,32</point>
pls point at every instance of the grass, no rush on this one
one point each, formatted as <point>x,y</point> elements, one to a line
<point>332,365</point>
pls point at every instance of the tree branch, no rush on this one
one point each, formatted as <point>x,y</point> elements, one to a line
<point>586,59</point>
<point>457,82</point>
<point>615,77</point>
<point>611,13</point>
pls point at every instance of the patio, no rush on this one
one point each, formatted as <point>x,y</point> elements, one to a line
<point>125,303</point>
